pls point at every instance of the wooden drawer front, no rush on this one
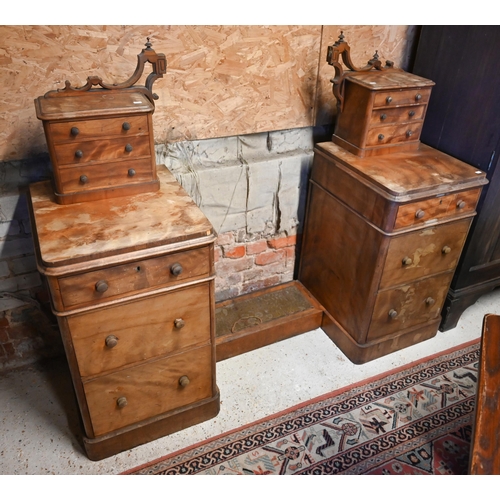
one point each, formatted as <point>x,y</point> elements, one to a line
<point>113,282</point>
<point>102,149</point>
<point>108,338</point>
<point>420,253</point>
<point>148,389</point>
<point>397,97</point>
<point>393,134</point>
<point>78,130</point>
<point>397,115</point>
<point>105,175</point>
<point>437,208</point>
<point>412,304</point>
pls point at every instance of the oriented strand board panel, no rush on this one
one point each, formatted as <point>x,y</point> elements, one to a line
<point>221,80</point>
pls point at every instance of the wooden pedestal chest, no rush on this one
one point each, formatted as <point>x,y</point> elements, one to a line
<point>382,238</point>
<point>132,285</point>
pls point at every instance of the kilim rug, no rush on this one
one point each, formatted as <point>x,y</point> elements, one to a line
<point>416,420</point>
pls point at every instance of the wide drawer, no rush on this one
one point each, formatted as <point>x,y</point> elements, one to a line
<point>77,130</point>
<point>108,338</point>
<point>393,134</point>
<point>134,394</point>
<point>397,115</point>
<point>112,282</point>
<point>79,152</point>
<point>423,252</point>
<point>401,97</point>
<point>408,305</point>
<point>438,207</point>
<point>105,175</point>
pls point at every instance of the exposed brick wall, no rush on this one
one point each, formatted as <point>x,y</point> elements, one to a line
<point>244,265</point>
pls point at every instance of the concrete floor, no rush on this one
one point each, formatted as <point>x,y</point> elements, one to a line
<point>39,424</point>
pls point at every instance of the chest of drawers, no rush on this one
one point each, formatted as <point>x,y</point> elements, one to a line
<point>132,285</point>
<point>382,238</point>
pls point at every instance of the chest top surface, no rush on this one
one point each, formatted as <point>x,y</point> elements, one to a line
<point>88,231</point>
<point>407,175</point>
<point>388,80</point>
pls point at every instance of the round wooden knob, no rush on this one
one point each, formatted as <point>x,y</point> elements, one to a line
<point>418,97</point>
<point>460,204</point>
<point>131,172</point>
<point>128,148</point>
<point>84,179</point>
<point>184,381</point>
<point>79,153</point>
<point>446,249</point>
<point>388,100</point>
<point>383,116</point>
<point>411,113</point>
<point>409,133</point>
<point>380,137</point>
<point>126,126</point>
<point>393,314</point>
<point>429,301</point>
<point>101,286</point>
<point>74,131</point>
<point>121,402</point>
<point>176,269</point>
<point>407,261</point>
<point>419,214</point>
<point>179,323</point>
<point>111,341</point>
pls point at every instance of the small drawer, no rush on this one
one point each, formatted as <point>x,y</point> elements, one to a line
<point>144,391</point>
<point>393,134</point>
<point>70,154</point>
<point>78,130</point>
<point>88,177</point>
<point>397,115</point>
<point>408,305</point>
<point>440,207</point>
<point>109,338</point>
<point>396,97</point>
<point>432,250</point>
<point>117,281</point>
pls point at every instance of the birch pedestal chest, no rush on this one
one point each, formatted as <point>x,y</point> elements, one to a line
<point>132,285</point>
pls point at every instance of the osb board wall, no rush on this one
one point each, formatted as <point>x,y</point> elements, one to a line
<point>220,81</point>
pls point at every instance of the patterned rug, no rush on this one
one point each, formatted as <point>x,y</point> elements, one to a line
<point>416,420</point>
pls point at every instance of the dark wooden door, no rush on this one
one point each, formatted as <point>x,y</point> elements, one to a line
<point>463,120</point>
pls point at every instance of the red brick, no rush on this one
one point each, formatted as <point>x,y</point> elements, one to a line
<point>286,241</point>
<point>230,266</point>
<point>263,259</point>
<point>234,252</point>
<point>255,247</point>
<point>259,285</point>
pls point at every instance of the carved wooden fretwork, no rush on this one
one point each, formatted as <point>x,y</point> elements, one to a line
<point>342,49</point>
<point>158,62</point>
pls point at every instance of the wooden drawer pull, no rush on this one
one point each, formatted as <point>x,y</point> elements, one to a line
<point>176,269</point>
<point>411,113</point>
<point>184,381</point>
<point>418,97</point>
<point>446,249</point>
<point>84,179</point>
<point>74,131</point>
<point>407,261</point>
<point>128,148</point>
<point>131,172</point>
<point>79,153</point>
<point>409,133</point>
<point>429,301</point>
<point>380,137</point>
<point>111,341</point>
<point>419,214</point>
<point>179,323</point>
<point>383,116</point>
<point>461,204</point>
<point>126,126</point>
<point>121,402</point>
<point>393,314</point>
<point>388,100</point>
<point>101,286</point>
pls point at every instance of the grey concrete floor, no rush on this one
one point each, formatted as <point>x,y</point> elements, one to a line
<point>40,429</point>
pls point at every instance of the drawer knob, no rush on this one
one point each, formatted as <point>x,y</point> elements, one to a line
<point>111,341</point>
<point>383,116</point>
<point>126,126</point>
<point>101,286</point>
<point>393,314</point>
<point>418,97</point>
<point>380,137</point>
<point>429,301</point>
<point>419,214</point>
<point>131,172</point>
<point>128,148</point>
<point>411,113</point>
<point>74,131</point>
<point>121,402</point>
<point>79,153</point>
<point>407,261</point>
<point>409,133</point>
<point>179,323</point>
<point>446,249</point>
<point>461,204</point>
<point>388,100</point>
<point>184,381</point>
<point>176,269</point>
<point>84,179</point>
